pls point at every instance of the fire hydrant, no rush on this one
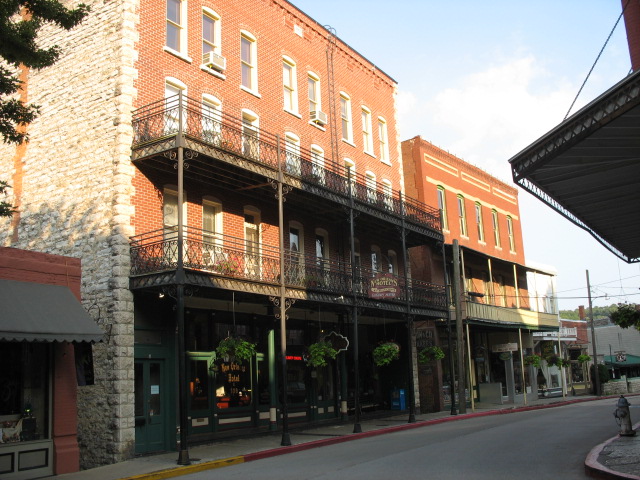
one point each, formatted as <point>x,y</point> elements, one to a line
<point>623,417</point>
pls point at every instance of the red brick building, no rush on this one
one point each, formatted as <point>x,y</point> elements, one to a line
<point>482,214</point>
<point>41,320</point>
<point>239,105</point>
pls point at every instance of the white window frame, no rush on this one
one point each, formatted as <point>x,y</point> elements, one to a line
<point>345,115</point>
<point>253,260</point>
<point>212,44</point>
<point>442,205</point>
<point>387,193</point>
<point>249,65</point>
<point>462,215</point>
<point>180,25</point>
<point>350,167</point>
<point>495,223</point>
<point>317,162</point>
<point>367,134</point>
<point>290,85</point>
<point>297,257</point>
<point>250,134</point>
<point>313,86</point>
<point>211,119</point>
<point>376,259</point>
<point>293,163</point>
<point>372,186</point>
<point>172,88</point>
<point>479,221</point>
<point>383,138</point>
<point>511,234</point>
<point>392,263</point>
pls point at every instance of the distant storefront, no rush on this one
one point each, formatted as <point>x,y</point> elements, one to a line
<point>41,321</point>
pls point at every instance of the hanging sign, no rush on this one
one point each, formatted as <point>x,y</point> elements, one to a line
<point>384,285</point>
<point>504,347</point>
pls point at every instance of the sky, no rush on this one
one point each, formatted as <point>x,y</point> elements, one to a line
<point>483,80</point>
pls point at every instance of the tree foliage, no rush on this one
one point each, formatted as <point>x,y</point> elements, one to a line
<point>20,21</point>
<point>626,315</point>
<point>598,313</point>
<point>6,209</point>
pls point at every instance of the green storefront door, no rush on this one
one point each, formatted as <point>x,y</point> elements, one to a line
<point>150,406</point>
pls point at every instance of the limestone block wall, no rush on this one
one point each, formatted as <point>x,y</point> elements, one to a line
<point>633,385</point>
<point>614,387</point>
<point>73,186</point>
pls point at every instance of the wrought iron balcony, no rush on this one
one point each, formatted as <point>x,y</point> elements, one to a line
<point>231,257</point>
<point>160,126</point>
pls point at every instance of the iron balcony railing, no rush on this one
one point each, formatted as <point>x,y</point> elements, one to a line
<point>183,115</point>
<point>228,256</point>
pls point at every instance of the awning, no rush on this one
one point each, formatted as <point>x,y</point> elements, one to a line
<point>587,168</point>
<point>624,360</point>
<point>35,312</point>
<point>509,325</point>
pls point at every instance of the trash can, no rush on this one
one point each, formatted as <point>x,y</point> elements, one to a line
<point>398,400</point>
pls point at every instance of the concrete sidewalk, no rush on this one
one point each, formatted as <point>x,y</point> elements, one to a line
<point>619,457</point>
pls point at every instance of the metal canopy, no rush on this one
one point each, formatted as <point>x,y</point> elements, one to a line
<point>588,168</point>
<point>35,312</point>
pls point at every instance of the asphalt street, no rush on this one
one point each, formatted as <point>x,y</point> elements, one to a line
<point>541,444</point>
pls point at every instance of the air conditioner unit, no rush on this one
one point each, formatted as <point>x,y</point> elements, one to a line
<point>215,61</point>
<point>319,117</point>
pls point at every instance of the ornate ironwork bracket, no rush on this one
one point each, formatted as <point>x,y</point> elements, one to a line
<point>172,291</point>
<point>288,302</point>
<point>188,155</point>
<point>285,188</point>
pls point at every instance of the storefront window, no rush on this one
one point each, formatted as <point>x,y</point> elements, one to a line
<point>199,384</point>
<point>233,384</point>
<point>24,392</point>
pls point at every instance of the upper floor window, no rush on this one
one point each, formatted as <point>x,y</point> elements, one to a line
<point>350,174</point>
<point>387,193</point>
<point>211,119</point>
<point>442,206</point>
<point>370,181</point>
<point>172,90</point>
<point>314,93</point>
<point>496,228</point>
<point>383,138</point>
<point>462,215</point>
<point>176,25</point>
<point>248,60</point>
<point>317,163</point>
<point>345,115</point>
<point>479,222</point>
<point>376,259</point>
<point>211,221</point>
<point>367,137</point>
<point>210,31</point>
<point>290,85</point>
<point>510,233</point>
<point>292,153</point>
<point>250,134</point>
<point>392,262</point>
<point>322,248</point>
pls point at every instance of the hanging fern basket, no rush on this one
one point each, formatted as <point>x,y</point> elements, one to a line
<point>385,353</point>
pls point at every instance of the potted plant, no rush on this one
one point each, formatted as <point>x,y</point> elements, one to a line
<point>385,353</point>
<point>429,354</point>
<point>236,348</point>
<point>533,360</point>
<point>583,358</point>
<point>227,267</point>
<point>320,352</point>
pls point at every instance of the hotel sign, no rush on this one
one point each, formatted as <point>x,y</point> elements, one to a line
<point>384,285</point>
<point>505,347</point>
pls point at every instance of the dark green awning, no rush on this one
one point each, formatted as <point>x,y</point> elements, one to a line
<point>34,312</point>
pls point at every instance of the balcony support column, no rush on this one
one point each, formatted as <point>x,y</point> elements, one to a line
<point>357,428</point>
<point>452,376</point>
<point>409,319</point>
<point>183,450</point>
<point>462,401</point>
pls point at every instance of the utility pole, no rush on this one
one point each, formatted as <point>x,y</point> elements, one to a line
<point>596,373</point>
<point>462,400</point>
